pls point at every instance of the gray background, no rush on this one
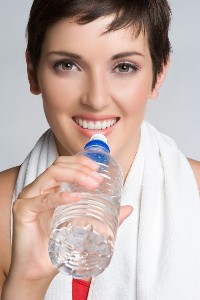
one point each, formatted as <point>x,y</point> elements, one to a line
<point>175,112</point>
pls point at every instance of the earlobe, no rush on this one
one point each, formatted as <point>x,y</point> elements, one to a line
<point>31,76</point>
<point>160,79</point>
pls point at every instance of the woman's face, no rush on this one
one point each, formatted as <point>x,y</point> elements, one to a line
<point>95,83</point>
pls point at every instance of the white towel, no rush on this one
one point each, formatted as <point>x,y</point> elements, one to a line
<point>157,250</point>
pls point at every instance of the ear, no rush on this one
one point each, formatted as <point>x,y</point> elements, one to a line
<point>160,80</point>
<point>31,75</point>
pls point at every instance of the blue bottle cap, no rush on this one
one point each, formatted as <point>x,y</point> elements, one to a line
<point>98,144</point>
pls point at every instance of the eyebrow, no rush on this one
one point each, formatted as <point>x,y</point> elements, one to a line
<point>64,53</point>
<point>76,56</point>
<point>124,54</point>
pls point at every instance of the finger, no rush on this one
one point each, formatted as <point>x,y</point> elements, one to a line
<point>81,175</point>
<point>80,159</point>
<point>56,174</point>
<point>26,210</point>
<point>124,212</point>
<point>83,168</point>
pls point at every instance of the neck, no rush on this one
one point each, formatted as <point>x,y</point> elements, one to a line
<point>126,157</point>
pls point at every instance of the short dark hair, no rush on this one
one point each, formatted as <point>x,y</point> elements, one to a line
<point>151,16</point>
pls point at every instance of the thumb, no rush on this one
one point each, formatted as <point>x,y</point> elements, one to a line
<point>124,212</point>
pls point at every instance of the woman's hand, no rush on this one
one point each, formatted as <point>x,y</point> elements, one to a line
<point>33,212</point>
<point>124,212</point>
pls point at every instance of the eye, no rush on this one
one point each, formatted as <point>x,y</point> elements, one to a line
<point>126,67</point>
<point>65,65</point>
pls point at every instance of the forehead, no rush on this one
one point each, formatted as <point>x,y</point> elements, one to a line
<point>69,34</point>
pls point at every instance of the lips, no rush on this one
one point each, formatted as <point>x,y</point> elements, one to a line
<point>95,124</point>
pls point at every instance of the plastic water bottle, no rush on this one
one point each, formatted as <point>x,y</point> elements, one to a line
<point>83,233</point>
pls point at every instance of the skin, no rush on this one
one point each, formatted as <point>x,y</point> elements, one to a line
<point>95,87</point>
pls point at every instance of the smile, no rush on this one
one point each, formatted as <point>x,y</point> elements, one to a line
<point>95,125</point>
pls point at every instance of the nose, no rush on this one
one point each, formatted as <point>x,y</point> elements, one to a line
<point>96,92</point>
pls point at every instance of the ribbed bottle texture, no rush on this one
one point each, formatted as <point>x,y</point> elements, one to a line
<point>83,234</point>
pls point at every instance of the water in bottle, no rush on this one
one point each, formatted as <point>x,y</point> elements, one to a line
<point>83,233</point>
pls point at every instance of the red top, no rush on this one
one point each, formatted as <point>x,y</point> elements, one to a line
<point>80,289</point>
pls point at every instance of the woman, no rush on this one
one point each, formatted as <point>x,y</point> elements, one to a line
<point>96,63</point>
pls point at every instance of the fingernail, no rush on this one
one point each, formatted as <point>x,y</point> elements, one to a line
<point>92,181</point>
<point>97,176</point>
<point>44,191</point>
<point>93,164</point>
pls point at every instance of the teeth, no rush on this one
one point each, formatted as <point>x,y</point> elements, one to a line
<point>85,125</point>
<point>109,123</point>
<point>80,122</point>
<point>95,125</point>
<point>91,125</point>
<point>104,124</point>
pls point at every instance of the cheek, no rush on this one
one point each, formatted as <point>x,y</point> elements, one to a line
<point>57,92</point>
<point>133,95</point>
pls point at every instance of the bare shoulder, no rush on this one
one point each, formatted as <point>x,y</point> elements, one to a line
<point>7,184</point>
<point>196,169</point>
